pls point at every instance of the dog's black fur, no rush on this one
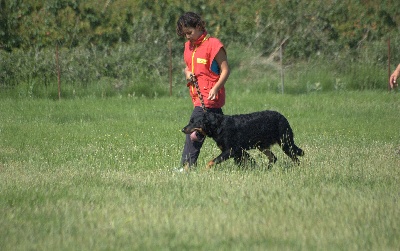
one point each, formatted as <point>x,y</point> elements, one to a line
<point>237,133</point>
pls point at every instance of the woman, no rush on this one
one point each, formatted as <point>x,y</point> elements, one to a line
<point>206,59</point>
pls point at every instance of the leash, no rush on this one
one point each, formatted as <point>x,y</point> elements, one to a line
<point>193,79</point>
<point>196,84</point>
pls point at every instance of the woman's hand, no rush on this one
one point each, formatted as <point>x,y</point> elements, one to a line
<point>393,79</point>
<point>212,94</point>
<point>188,75</point>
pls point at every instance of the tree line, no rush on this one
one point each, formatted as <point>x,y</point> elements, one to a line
<point>128,42</point>
<point>309,26</point>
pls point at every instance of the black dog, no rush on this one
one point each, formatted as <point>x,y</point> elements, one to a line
<point>237,133</point>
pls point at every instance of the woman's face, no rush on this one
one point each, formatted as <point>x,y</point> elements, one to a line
<point>192,34</point>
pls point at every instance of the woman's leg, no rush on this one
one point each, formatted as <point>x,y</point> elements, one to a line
<point>191,149</point>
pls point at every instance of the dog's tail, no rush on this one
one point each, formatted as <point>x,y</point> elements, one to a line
<point>287,140</point>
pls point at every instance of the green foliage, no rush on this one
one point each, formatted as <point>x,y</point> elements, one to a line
<point>310,26</point>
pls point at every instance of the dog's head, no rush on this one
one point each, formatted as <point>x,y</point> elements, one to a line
<point>208,124</point>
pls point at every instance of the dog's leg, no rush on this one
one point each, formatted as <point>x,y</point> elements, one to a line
<point>244,159</point>
<point>271,157</point>
<point>222,157</point>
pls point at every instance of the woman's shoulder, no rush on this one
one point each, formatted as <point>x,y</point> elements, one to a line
<point>214,41</point>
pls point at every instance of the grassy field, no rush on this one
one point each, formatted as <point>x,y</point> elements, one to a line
<point>97,174</point>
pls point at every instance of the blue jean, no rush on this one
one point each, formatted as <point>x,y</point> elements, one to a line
<point>191,149</point>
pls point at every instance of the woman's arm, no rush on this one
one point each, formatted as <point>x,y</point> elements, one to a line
<point>222,61</point>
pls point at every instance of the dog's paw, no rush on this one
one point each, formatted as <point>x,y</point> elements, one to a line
<point>210,165</point>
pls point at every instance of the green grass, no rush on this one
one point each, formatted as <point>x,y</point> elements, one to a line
<point>96,174</point>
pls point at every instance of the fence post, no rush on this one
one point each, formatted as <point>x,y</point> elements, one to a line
<point>58,73</point>
<point>281,63</point>
<point>388,83</point>
<point>170,67</point>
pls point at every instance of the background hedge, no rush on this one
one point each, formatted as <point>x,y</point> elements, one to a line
<point>122,41</point>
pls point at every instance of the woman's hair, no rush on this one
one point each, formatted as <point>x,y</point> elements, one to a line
<point>189,20</point>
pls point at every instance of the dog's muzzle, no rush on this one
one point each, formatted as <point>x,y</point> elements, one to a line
<point>189,131</point>
<point>185,130</point>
